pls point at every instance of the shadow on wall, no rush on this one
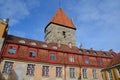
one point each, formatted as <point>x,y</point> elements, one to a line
<point>12,76</point>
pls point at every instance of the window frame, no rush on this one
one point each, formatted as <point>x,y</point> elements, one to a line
<point>84,72</point>
<point>30,74</point>
<point>72,73</point>
<point>16,52</point>
<point>99,59</point>
<point>94,71</point>
<point>45,71</point>
<point>59,72</point>
<point>86,58</point>
<point>32,49</point>
<point>52,52</point>
<point>10,67</point>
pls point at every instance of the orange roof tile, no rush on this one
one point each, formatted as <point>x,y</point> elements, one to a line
<point>61,18</point>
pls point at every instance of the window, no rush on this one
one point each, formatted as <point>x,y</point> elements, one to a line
<point>86,60</point>
<point>12,50</point>
<point>95,53</point>
<point>52,56</point>
<point>45,71</point>
<point>64,34</point>
<point>58,71</point>
<point>32,53</point>
<point>110,75</point>
<point>71,58</point>
<point>104,54</point>
<point>30,69</point>
<point>72,72</point>
<point>112,55</point>
<point>84,73</point>
<point>80,51</point>
<point>100,62</point>
<point>94,73</point>
<point>88,52</point>
<point>118,71</point>
<point>7,67</point>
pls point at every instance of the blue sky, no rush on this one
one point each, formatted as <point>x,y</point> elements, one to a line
<point>97,21</point>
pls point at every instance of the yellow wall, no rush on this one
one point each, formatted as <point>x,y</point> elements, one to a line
<point>114,71</point>
<point>2,28</point>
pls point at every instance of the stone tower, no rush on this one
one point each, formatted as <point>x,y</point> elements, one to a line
<point>3,31</point>
<point>60,29</point>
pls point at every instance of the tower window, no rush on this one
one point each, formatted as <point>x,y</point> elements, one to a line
<point>64,34</point>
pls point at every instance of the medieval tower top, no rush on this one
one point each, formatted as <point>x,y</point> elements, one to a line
<point>60,29</point>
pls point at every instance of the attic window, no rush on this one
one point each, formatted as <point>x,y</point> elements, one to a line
<point>88,52</point>
<point>112,55</point>
<point>104,54</point>
<point>80,51</point>
<point>44,45</point>
<point>54,47</point>
<point>33,43</point>
<point>95,53</point>
<point>21,41</point>
<point>64,34</point>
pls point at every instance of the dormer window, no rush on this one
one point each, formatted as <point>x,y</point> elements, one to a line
<point>95,53</point>
<point>104,54</point>
<point>33,43</point>
<point>44,45</point>
<point>80,51</point>
<point>88,52</point>
<point>64,34</point>
<point>21,41</point>
<point>112,55</point>
<point>54,47</point>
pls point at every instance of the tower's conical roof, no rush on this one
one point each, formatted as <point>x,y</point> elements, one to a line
<point>62,19</point>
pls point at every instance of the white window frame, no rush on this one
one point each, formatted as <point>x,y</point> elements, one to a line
<point>84,72</point>
<point>72,72</point>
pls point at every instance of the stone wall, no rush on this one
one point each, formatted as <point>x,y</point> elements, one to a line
<point>55,32</point>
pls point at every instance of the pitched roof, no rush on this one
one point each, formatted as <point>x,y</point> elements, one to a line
<point>114,61</point>
<point>62,19</point>
<point>63,47</point>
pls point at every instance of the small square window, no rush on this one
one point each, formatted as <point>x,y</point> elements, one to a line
<point>32,53</point>
<point>71,58</point>
<point>52,56</point>
<point>86,60</point>
<point>12,50</point>
<point>100,62</point>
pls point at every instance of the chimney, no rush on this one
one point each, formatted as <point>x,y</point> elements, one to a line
<point>70,45</point>
<point>81,46</point>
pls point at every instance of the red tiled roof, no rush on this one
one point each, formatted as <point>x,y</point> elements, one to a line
<point>63,47</point>
<point>62,19</point>
<point>114,61</point>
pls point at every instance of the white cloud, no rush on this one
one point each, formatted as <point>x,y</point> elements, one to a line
<point>16,10</point>
<point>99,22</point>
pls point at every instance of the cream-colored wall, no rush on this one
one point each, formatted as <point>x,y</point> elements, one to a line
<point>90,74</point>
<point>20,67</point>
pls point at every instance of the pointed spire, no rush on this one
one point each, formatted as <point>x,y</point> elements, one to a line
<point>62,19</point>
